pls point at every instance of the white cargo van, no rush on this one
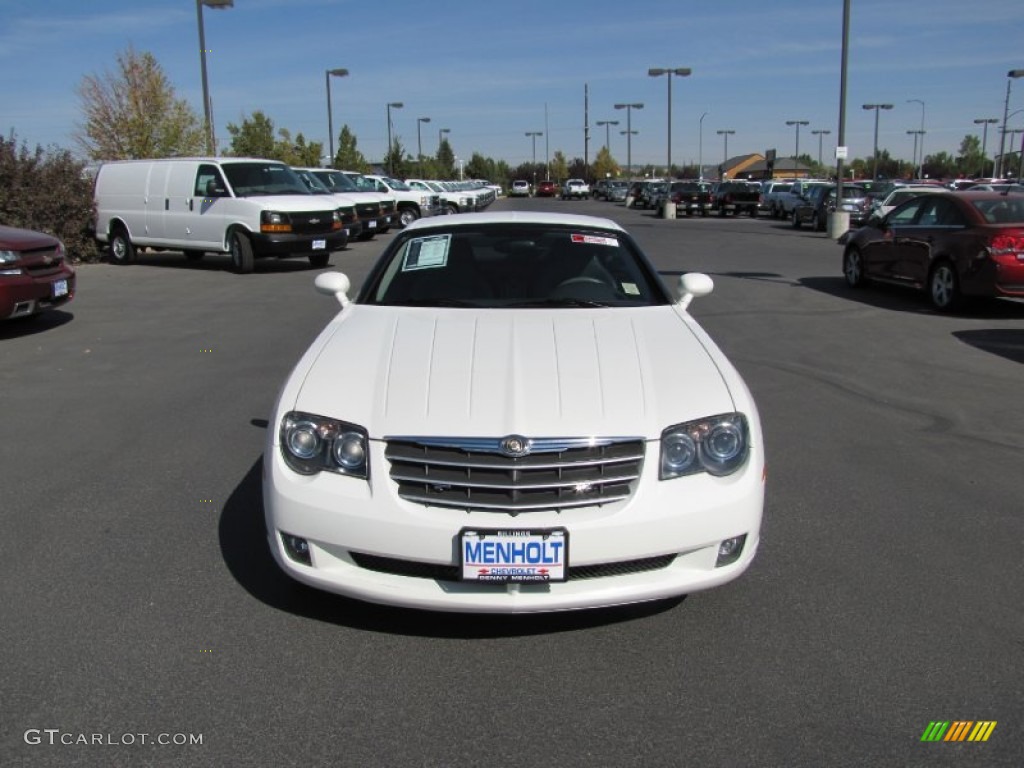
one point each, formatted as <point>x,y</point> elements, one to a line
<point>247,207</point>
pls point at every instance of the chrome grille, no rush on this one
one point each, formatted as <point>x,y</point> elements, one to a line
<point>473,474</point>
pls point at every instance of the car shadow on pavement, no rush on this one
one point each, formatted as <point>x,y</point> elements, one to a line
<point>899,299</point>
<point>244,547</point>
<point>1004,342</point>
<point>27,326</point>
<point>221,262</point>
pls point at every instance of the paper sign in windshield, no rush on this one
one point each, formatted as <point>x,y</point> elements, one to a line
<point>596,240</point>
<point>427,253</point>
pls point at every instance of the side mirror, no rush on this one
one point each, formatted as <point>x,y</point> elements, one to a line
<point>693,285</point>
<point>334,284</point>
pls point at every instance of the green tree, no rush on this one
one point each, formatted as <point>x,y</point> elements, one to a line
<point>941,165</point>
<point>48,191</point>
<point>297,152</point>
<point>559,168</point>
<point>348,157</point>
<point>133,113</point>
<point>397,161</point>
<point>254,137</point>
<point>445,162</point>
<point>969,159</point>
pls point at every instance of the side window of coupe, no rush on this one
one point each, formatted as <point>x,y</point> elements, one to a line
<point>906,214</point>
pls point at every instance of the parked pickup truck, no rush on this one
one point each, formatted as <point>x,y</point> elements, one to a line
<point>736,197</point>
<point>575,189</point>
<point>690,197</point>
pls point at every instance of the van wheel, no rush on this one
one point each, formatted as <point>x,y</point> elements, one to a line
<point>121,249</point>
<point>193,255</point>
<point>319,260</point>
<point>242,260</point>
<point>407,216</point>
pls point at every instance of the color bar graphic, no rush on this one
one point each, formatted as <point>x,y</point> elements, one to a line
<point>958,730</point>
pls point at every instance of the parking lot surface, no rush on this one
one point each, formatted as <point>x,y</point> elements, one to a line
<point>139,596</point>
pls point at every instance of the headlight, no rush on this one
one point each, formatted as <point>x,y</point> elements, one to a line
<point>717,445</point>
<point>311,444</point>
<point>8,257</point>
<point>271,221</point>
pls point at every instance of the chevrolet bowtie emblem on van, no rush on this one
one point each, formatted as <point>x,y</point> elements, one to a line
<point>314,221</point>
<point>515,446</point>
<point>47,259</point>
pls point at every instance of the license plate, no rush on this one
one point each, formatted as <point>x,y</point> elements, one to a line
<point>849,208</point>
<point>347,233</point>
<point>59,288</point>
<point>514,556</point>
<point>373,224</point>
<point>319,245</point>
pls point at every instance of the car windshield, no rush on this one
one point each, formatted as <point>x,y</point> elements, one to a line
<point>1008,209</point>
<point>336,181</point>
<point>313,184</point>
<point>256,179</point>
<point>395,184</point>
<point>361,183</point>
<point>526,265</point>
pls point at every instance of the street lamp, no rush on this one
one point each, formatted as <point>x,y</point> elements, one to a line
<point>1012,75</point>
<point>678,72</point>
<point>419,141</point>
<point>727,132</point>
<point>915,134</point>
<point>533,135</point>
<point>390,157</point>
<point>796,157</point>
<point>920,165</point>
<point>211,144</point>
<point>819,132</point>
<point>629,132</point>
<point>700,147</point>
<point>986,122</point>
<point>330,116</point>
<point>440,136</point>
<point>607,132</point>
<point>876,107</point>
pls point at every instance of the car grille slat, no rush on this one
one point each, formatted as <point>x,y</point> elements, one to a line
<point>473,474</point>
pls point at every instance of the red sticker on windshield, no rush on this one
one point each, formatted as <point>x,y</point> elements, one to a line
<point>595,240</point>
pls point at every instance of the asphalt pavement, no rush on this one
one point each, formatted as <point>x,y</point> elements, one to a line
<point>140,604</point>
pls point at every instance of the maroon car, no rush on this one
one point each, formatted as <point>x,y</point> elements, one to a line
<point>34,274</point>
<point>961,244</point>
<point>547,189</point>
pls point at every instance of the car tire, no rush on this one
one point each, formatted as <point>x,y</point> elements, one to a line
<point>853,268</point>
<point>943,286</point>
<point>193,255</point>
<point>242,259</point>
<point>452,208</point>
<point>122,250</point>
<point>407,216</point>
<point>796,219</point>
<point>319,260</point>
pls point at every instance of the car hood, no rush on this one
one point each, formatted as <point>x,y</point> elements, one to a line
<point>567,372</point>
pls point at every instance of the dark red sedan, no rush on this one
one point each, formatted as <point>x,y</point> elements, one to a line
<point>962,244</point>
<point>34,274</point>
<point>547,189</point>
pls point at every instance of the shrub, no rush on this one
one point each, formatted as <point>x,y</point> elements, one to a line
<point>48,191</point>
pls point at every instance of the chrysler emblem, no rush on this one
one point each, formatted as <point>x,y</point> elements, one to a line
<point>515,446</point>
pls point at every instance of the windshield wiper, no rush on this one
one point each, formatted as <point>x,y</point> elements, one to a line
<point>565,302</point>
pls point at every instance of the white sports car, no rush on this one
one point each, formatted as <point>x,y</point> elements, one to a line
<point>513,415</point>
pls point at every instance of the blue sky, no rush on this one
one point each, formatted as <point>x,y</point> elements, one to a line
<point>488,70</point>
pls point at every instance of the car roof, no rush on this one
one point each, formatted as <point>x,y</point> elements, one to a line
<point>513,217</point>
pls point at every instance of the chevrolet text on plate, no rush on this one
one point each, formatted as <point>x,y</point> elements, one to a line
<point>514,415</point>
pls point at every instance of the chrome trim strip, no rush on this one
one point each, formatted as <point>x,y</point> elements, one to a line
<point>493,444</point>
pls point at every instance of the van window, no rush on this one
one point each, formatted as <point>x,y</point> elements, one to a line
<point>208,179</point>
<point>251,179</point>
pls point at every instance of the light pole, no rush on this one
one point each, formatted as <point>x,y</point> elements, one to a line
<point>211,144</point>
<point>330,115</point>
<point>796,157</point>
<point>607,132</point>
<point>986,122</point>
<point>819,132</point>
<point>678,72</point>
<point>876,107</point>
<point>419,141</point>
<point>1012,75</point>
<point>390,157</point>
<point>700,147</point>
<point>915,134</point>
<point>726,132</point>
<point>629,132</point>
<point>533,135</point>
<point>920,165</point>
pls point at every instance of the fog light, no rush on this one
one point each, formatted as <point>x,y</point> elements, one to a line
<point>729,551</point>
<point>296,548</point>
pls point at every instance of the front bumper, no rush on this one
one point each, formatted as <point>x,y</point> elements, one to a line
<point>31,292</point>
<point>287,244</point>
<point>347,521</point>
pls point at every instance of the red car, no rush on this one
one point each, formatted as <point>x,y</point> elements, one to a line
<point>34,274</point>
<point>547,189</point>
<point>955,245</point>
